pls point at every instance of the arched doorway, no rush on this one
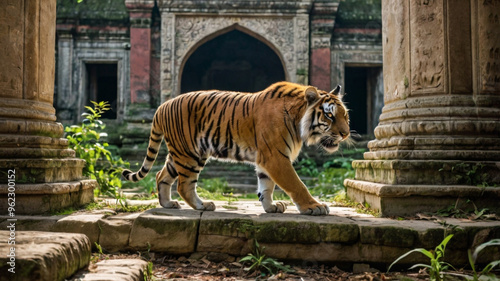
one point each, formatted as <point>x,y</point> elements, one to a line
<point>233,61</point>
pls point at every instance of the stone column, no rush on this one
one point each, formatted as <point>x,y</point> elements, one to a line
<point>140,50</point>
<point>322,22</point>
<point>438,140</point>
<point>48,177</point>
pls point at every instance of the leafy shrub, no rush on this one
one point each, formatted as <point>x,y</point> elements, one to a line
<point>344,163</point>
<point>329,182</point>
<point>307,167</point>
<point>86,141</point>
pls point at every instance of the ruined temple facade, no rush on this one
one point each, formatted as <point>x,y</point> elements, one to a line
<point>137,54</point>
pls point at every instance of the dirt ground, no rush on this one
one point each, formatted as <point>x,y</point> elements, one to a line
<point>200,268</point>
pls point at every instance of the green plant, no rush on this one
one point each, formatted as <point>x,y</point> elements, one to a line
<point>259,261</point>
<point>465,210</point>
<point>149,272</point>
<point>469,174</point>
<point>436,266</point>
<point>125,208</point>
<point>99,248</point>
<point>281,196</point>
<point>341,200</point>
<point>216,185</point>
<point>215,189</point>
<point>345,163</point>
<point>63,212</point>
<point>97,256</point>
<point>330,182</point>
<point>485,274</point>
<point>146,186</point>
<point>86,141</point>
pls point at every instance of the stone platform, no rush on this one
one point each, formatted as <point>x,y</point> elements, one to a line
<point>57,256</point>
<point>35,255</point>
<point>343,237</point>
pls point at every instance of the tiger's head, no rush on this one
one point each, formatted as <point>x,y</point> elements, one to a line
<point>326,121</point>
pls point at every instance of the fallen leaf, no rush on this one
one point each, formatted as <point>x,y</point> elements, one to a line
<point>224,269</point>
<point>207,262</point>
<point>236,264</point>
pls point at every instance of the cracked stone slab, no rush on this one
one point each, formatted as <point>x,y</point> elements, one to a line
<point>49,256</point>
<point>115,234</point>
<point>114,270</point>
<point>32,223</point>
<point>166,230</point>
<point>84,223</point>
<point>226,232</point>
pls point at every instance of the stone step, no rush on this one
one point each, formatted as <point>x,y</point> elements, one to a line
<point>344,236</point>
<point>37,255</point>
<point>114,270</point>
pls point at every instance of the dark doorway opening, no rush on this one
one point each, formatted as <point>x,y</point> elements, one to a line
<point>365,97</point>
<point>102,85</point>
<point>233,61</point>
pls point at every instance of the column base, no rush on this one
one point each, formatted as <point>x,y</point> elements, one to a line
<point>408,200</point>
<point>43,170</point>
<point>42,198</point>
<point>428,172</point>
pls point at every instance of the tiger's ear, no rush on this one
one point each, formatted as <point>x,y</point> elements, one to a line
<point>337,92</point>
<point>311,95</point>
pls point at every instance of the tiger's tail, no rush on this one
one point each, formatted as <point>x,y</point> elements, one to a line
<point>155,138</point>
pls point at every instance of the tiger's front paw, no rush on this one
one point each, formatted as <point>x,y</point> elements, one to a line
<point>170,204</point>
<point>207,206</point>
<point>278,207</point>
<point>317,209</point>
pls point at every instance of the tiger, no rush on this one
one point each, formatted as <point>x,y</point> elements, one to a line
<point>266,129</point>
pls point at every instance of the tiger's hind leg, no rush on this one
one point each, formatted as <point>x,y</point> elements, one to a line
<point>164,180</point>
<point>266,189</point>
<point>186,185</point>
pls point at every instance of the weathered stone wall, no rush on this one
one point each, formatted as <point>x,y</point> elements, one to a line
<point>356,38</point>
<point>93,31</point>
<point>116,31</point>
<point>285,29</point>
<point>322,19</point>
<point>300,32</point>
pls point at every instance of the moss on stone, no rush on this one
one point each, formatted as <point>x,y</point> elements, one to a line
<point>359,12</point>
<point>228,227</point>
<point>430,238</point>
<point>165,226</point>
<point>287,232</point>
<point>339,233</point>
<point>105,11</point>
<point>388,236</point>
